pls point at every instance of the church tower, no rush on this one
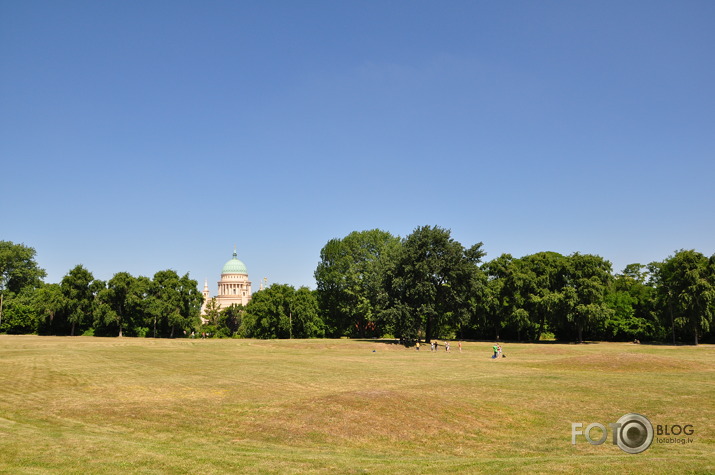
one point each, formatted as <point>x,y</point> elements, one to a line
<point>207,296</point>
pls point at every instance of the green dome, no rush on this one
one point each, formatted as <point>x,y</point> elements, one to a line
<point>234,266</point>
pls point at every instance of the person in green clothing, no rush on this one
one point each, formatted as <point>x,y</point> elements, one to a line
<point>496,350</point>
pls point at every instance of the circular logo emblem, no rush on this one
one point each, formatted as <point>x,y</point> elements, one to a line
<point>636,433</point>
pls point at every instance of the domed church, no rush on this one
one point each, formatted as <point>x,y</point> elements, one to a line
<point>234,286</point>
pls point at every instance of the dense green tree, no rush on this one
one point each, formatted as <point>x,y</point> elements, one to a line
<point>494,304</point>
<point>279,311</point>
<point>230,319</point>
<point>213,311</point>
<point>544,278</point>
<point>306,321</point>
<point>164,301</point>
<point>267,314</point>
<point>143,306</point>
<point>78,295</point>
<point>175,303</point>
<point>519,281</point>
<point>503,302</point>
<point>432,284</point>
<point>631,299</point>
<point>121,303</point>
<point>49,302</point>
<point>190,300</point>
<point>399,319</point>
<point>20,316</point>
<point>584,294</point>
<point>350,281</point>
<point>547,290</point>
<point>18,270</point>
<point>686,284</point>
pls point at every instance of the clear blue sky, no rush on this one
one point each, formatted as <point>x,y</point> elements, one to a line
<point>145,135</point>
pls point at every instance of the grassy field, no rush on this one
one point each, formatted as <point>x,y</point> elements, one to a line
<point>100,405</point>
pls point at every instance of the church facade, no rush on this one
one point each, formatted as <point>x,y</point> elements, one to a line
<point>233,288</point>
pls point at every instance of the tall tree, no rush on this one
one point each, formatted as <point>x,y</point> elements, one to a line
<point>212,311</point>
<point>49,301</point>
<point>144,305</point>
<point>588,280</point>
<point>230,318</point>
<point>78,295</point>
<point>268,313</point>
<point>190,300</point>
<point>305,315</point>
<point>18,270</point>
<point>632,300</point>
<point>518,281</point>
<point>280,311</point>
<point>175,303</point>
<point>350,281</point>
<point>542,288</point>
<point>120,301</point>
<point>165,301</point>
<point>432,283</point>
<point>503,301</point>
<point>687,283</point>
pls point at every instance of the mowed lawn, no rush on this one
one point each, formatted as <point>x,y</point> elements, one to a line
<point>111,405</point>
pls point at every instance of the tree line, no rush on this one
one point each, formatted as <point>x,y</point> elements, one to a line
<point>427,285</point>
<point>166,305</point>
<point>163,306</point>
<point>372,284</point>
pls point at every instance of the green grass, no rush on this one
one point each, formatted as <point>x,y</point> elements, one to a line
<point>100,405</point>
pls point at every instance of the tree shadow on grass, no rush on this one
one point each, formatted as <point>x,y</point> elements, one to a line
<point>396,341</point>
<point>388,341</point>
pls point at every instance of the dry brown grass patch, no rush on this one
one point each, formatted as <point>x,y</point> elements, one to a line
<point>105,405</point>
<point>628,362</point>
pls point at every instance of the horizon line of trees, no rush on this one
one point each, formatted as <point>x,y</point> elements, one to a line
<point>372,284</point>
<point>428,285</point>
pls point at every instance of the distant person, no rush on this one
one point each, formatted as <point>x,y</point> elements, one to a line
<point>460,346</point>
<point>418,345</point>
<point>496,351</point>
<point>446,346</point>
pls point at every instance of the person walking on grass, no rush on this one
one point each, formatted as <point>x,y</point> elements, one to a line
<point>496,350</point>
<point>460,345</point>
<point>418,345</point>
